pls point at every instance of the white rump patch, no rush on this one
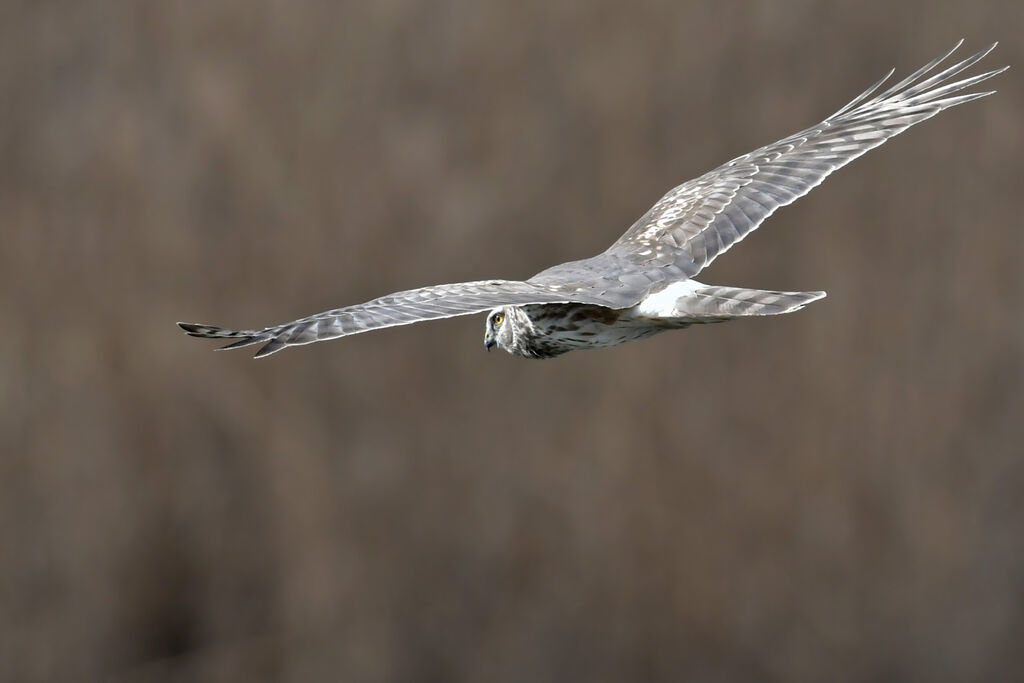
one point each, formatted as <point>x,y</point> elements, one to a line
<point>663,304</point>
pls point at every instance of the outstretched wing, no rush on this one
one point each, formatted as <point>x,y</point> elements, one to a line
<point>400,308</point>
<point>701,219</point>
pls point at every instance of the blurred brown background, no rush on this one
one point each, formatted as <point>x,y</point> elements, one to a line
<point>832,495</point>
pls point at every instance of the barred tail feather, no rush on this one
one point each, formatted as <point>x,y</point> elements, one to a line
<point>725,303</point>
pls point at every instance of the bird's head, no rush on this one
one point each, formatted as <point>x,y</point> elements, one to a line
<point>512,329</point>
<point>500,329</point>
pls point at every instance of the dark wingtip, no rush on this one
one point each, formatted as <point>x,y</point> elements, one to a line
<point>272,346</point>
<point>197,330</point>
<point>244,341</point>
<point>237,338</point>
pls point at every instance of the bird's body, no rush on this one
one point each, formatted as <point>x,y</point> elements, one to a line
<point>549,330</point>
<point>643,284</point>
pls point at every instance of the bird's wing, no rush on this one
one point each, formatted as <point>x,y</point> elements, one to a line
<point>699,220</point>
<point>400,308</point>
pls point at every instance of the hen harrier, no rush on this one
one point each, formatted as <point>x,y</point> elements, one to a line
<point>643,284</point>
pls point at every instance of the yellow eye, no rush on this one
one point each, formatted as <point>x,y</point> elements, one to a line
<point>499,318</point>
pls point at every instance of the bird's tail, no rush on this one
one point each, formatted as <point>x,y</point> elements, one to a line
<point>713,304</point>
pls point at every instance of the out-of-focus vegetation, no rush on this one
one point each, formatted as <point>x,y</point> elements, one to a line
<point>832,495</point>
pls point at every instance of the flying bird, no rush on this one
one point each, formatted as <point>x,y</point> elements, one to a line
<point>643,283</point>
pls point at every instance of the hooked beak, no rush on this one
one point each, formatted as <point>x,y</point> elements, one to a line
<point>489,342</point>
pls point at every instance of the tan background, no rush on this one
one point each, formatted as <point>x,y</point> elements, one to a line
<point>833,495</point>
